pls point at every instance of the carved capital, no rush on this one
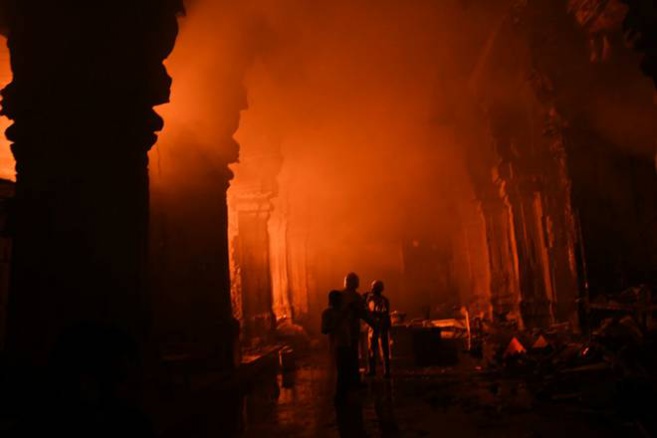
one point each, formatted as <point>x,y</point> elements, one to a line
<point>85,71</point>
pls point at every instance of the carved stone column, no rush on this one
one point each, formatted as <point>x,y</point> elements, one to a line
<point>561,233</point>
<point>255,270</point>
<point>471,260</point>
<point>280,270</point>
<point>533,260</point>
<point>251,198</point>
<point>190,260</point>
<point>504,288</point>
<point>86,78</point>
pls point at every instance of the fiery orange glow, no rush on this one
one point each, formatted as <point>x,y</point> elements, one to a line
<point>7,163</point>
<point>435,145</point>
<point>358,101</point>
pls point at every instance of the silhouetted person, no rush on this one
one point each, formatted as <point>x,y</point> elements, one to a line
<point>354,305</point>
<point>379,332</point>
<point>336,326</point>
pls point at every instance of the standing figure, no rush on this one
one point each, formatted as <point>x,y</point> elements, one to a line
<point>379,332</point>
<point>354,306</point>
<point>336,326</point>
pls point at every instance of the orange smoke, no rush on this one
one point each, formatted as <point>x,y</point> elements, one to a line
<point>359,100</point>
<point>7,163</point>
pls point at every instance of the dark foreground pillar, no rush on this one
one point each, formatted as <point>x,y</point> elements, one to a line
<point>87,75</point>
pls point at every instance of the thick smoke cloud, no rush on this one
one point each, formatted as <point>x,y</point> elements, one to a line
<point>359,98</point>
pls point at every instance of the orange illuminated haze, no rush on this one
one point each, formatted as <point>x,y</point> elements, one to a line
<point>361,122</point>
<point>360,112</point>
<point>359,99</point>
<point>7,162</point>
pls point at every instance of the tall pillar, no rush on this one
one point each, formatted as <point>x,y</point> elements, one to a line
<point>504,288</point>
<point>190,268</point>
<point>255,271</point>
<point>251,197</point>
<point>471,260</point>
<point>299,270</point>
<point>86,76</point>
<point>533,262</point>
<point>280,268</point>
<point>560,227</point>
<point>190,275</point>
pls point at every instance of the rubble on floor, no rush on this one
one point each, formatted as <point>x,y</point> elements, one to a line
<point>613,369</point>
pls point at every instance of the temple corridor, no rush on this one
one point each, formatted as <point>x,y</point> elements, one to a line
<point>200,199</point>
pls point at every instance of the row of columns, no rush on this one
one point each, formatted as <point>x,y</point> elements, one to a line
<point>525,190</point>
<point>83,123</point>
<point>529,208</point>
<point>530,245</point>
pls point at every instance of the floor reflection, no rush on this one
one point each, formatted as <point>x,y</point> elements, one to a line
<point>415,403</point>
<point>302,406</point>
<point>369,412</point>
<point>383,396</point>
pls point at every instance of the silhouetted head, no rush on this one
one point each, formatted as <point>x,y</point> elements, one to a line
<point>335,299</point>
<point>377,287</point>
<point>351,281</point>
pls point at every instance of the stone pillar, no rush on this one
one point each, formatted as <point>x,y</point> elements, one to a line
<point>533,260</point>
<point>251,198</point>
<point>300,277</point>
<point>472,267</point>
<point>190,263</point>
<point>278,237</point>
<point>560,227</point>
<point>255,271</point>
<point>504,288</point>
<point>86,77</point>
<point>190,269</point>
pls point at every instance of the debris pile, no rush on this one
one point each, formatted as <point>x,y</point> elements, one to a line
<point>612,369</point>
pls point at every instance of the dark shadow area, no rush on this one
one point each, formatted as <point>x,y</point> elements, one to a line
<point>91,387</point>
<point>349,416</point>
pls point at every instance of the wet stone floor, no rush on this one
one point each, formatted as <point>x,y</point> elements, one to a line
<point>442,402</point>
